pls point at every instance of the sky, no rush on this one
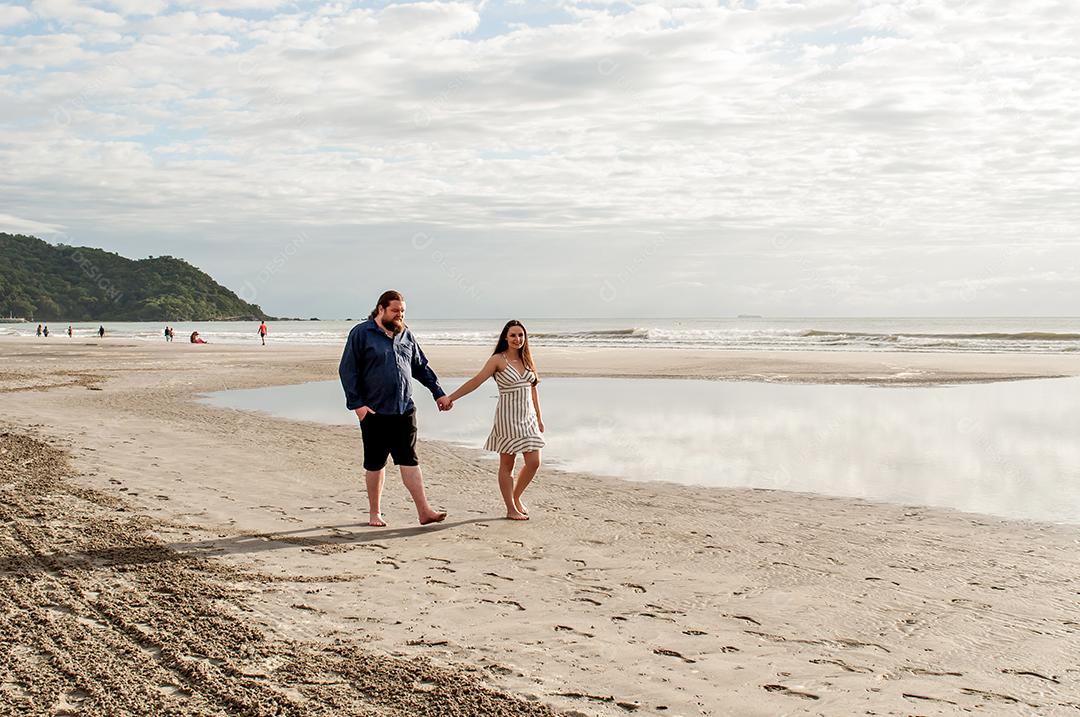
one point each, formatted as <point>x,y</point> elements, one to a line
<point>551,159</point>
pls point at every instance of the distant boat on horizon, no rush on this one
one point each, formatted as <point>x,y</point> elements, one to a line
<point>12,320</point>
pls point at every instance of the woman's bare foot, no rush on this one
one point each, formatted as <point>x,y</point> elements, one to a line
<point>376,521</point>
<point>515,515</point>
<point>433,517</point>
<point>520,506</point>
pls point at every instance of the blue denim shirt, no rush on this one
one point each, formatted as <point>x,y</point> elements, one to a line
<point>375,370</point>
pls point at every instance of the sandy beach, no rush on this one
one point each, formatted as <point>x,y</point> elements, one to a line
<point>163,556</point>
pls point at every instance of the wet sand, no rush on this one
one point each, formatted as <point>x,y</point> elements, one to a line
<point>159,552</point>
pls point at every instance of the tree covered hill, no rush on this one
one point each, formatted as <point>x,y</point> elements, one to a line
<point>44,282</point>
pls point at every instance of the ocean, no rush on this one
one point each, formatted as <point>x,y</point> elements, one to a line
<point>989,335</point>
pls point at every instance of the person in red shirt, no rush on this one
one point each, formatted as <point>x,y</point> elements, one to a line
<point>262,332</point>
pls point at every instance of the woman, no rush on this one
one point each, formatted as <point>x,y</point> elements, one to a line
<point>518,424</point>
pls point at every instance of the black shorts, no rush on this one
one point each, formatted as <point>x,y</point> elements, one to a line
<point>389,435</point>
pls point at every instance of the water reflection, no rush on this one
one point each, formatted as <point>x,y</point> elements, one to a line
<point>1004,449</point>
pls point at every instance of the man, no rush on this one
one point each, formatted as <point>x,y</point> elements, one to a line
<point>380,358</point>
<point>262,332</point>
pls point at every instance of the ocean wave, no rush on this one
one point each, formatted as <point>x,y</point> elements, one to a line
<point>782,335</point>
<point>1021,336</point>
<point>599,333</point>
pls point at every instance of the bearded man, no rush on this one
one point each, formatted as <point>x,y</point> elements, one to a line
<point>380,359</point>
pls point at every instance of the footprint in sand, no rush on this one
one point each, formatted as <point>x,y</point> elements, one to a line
<point>1029,673</point>
<point>514,603</point>
<point>843,666</point>
<point>427,643</point>
<point>931,673</point>
<point>925,698</point>
<point>781,689</point>
<point>672,653</point>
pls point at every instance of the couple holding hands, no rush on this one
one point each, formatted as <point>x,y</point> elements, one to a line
<point>381,357</point>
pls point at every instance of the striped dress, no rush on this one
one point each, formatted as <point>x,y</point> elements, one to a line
<point>516,429</point>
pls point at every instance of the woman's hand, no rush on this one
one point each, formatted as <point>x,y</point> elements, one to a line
<point>540,422</point>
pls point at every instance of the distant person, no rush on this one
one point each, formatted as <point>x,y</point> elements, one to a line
<point>518,425</point>
<point>46,331</point>
<point>262,332</point>
<point>196,339</point>
<point>381,357</point>
<point>172,334</point>
<point>101,332</point>
<point>39,330</point>
<point>70,332</point>
<point>167,334</point>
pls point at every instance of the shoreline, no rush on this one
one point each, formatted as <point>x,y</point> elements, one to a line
<point>654,595</point>
<point>900,368</point>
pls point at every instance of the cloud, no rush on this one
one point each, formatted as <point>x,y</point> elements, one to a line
<point>18,225</point>
<point>11,15</point>
<point>68,12</point>
<point>848,128</point>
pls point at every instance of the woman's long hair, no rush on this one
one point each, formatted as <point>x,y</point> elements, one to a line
<point>504,345</point>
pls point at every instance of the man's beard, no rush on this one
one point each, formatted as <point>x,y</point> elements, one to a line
<point>394,326</point>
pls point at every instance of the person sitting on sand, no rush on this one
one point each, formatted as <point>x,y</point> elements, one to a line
<point>196,339</point>
<point>380,360</point>
<point>518,425</point>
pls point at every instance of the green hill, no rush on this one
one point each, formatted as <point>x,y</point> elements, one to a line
<point>44,282</point>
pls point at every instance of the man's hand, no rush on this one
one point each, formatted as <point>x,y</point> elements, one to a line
<point>363,412</point>
<point>444,403</point>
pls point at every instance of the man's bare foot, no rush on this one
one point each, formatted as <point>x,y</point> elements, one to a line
<point>520,506</point>
<point>515,515</point>
<point>433,518</point>
<point>376,521</point>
